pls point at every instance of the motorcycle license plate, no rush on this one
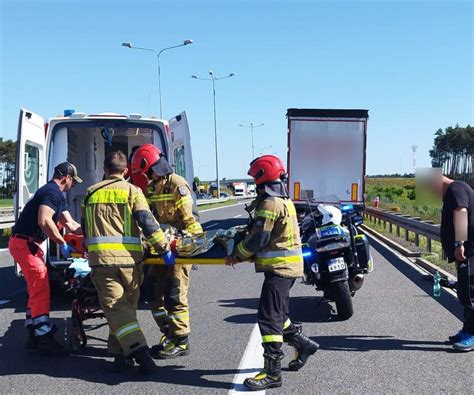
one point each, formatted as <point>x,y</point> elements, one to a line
<point>336,264</point>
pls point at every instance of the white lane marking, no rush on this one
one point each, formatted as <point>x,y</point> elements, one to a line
<point>238,216</point>
<point>250,364</point>
<point>4,302</point>
<point>3,249</point>
<point>218,208</point>
<point>211,226</point>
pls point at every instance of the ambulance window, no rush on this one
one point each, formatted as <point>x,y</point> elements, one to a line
<point>180,166</point>
<point>31,167</point>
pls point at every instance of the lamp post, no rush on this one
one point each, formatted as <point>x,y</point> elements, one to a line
<point>214,78</point>
<point>252,126</point>
<point>158,53</point>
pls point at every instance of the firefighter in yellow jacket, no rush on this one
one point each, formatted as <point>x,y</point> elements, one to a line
<point>170,198</point>
<point>273,241</point>
<point>113,211</point>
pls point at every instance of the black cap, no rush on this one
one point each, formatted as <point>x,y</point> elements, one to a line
<point>68,169</point>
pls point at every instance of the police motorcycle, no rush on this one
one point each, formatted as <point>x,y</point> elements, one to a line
<point>336,255</point>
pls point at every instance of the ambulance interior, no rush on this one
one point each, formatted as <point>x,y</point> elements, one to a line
<point>88,144</point>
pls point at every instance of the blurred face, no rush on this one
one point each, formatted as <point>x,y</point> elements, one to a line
<point>69,183</point>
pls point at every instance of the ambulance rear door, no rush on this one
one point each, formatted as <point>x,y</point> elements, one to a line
<point>180,154</point>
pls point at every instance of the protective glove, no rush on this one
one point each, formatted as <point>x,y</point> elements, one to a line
<point>66,250</point>
<point>169,258</point>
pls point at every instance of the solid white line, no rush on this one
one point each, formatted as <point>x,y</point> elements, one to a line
<point>4,302</point>
<point>3,249</point>
<point>218,208</point>
<point>250,364</point>
<point>237,216</point>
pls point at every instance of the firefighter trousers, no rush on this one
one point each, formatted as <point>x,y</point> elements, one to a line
<point>465,290</point>
<point>118,291</point>
<point>169,306</point>
<point>273,312</point>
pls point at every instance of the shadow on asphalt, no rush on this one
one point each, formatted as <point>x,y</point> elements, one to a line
<point>302,309</point>
<point>448,301</point>
<point>377,343</point>
<point>89,364</point>
<point>223,223</point>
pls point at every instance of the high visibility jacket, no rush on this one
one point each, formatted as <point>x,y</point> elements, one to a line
<point>172,202</point>
<point>274,221</point>
<point>112,211</point>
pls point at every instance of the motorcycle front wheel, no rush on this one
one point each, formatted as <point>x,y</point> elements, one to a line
<point>341,294</point>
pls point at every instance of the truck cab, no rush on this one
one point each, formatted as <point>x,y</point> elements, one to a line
<point>85,140</point>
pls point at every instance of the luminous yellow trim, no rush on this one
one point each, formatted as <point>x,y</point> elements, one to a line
<point>104,196</point>
<point>242,250</point>
<point>127,329</point>
<point>279,260</point>
<point>114,247</point>
<point>286,324</point>
<point>181,202</point>
<point>157,237</point>
<point>161,198</point>
<point>195,228</point>
<point>266,214</point>
<point>272,339</point>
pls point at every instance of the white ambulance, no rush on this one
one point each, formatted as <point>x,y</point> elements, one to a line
<point>85,140</point>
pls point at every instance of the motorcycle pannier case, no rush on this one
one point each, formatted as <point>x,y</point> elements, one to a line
<point>363,251</point>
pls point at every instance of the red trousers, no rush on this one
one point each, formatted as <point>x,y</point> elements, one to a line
<point>36,275</point>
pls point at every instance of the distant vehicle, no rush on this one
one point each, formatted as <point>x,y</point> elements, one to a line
<point>201,196</point>
<point>239,188</point>
<point>326,156</point>
<point>224,195</point>
<point>251,189</point>
<point>85,140</point>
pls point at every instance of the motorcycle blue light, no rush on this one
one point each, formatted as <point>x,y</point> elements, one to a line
<point>347,207</point>
<point>307,254</point>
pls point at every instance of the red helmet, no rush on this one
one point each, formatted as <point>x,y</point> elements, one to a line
<point>266,168</point>
<point>144,158</point>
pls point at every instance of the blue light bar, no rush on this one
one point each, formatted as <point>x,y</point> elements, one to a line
<point>347,207</point>
<point>306,254</point>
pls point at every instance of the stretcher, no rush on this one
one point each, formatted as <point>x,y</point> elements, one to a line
<point>209,248</point>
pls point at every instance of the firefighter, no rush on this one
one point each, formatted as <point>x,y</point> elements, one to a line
<point>171,200</point>
<point>113,211</point>
<point>273,241</point>
<point>37,222</point>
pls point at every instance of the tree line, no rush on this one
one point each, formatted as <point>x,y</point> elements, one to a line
<point>7,159</point>
<point>453,152</point>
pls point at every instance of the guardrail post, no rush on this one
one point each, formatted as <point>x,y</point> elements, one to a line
<point>390,227</point>
<point>429,247</point>
<point>398,230</point>
<point>407,235</point>
<point>417,239</point>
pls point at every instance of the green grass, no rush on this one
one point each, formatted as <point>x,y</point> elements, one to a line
<point>4,236</point>
<point>6,202</point>
<point>398,194</point>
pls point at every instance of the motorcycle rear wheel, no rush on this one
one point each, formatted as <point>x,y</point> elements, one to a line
<point>341,294</point>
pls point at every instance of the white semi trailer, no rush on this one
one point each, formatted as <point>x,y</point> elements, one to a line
<point>327,156</point>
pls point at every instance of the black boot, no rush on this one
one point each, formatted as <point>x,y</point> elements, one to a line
<point>157,348</point>
<point>31,341</point>
<point>269,377</point>
<point>145,362</point>
<point>177,347</point>
<point>48,345</point>
<point>304,346</point>
<point>122,363</point>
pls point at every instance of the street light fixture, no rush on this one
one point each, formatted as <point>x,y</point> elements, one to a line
<point>252,126</point>
<point>158,53</point>
<point>214,78</point>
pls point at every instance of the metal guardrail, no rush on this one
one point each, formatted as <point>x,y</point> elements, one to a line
<point>7,217</point>
<point>201,202</point>
<point>427,229</point>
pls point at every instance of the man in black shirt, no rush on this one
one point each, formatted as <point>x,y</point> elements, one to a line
<point>36,223</point>
<point>457,239</point>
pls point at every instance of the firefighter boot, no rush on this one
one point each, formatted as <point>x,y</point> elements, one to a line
<point>304,346</point>
<point>47,344</point>
<point>269,377</point>
<point>177,347</point>
<point>157,348</point>
<point>144,361</point>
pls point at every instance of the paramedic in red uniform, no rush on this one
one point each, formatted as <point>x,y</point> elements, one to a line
<point>36,223</point>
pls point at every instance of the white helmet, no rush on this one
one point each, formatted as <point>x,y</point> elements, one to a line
<point>331,214</point>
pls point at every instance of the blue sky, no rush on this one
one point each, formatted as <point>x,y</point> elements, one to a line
<point>409,63</point>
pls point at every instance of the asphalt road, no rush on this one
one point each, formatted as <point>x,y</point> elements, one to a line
<point>394,343</point>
